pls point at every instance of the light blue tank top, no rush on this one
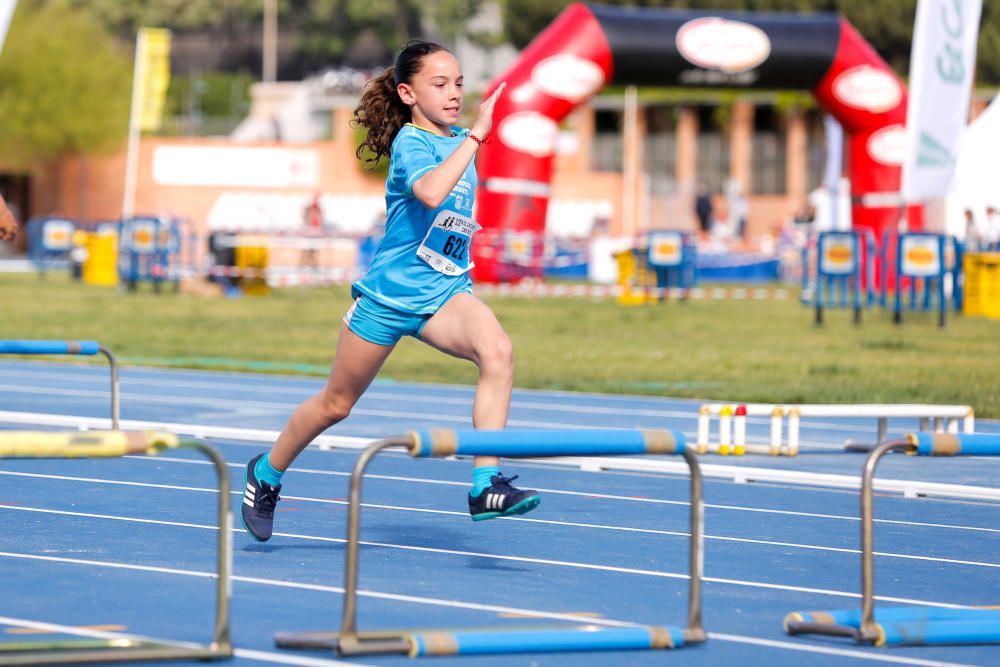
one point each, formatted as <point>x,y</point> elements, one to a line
<point>424,258</point>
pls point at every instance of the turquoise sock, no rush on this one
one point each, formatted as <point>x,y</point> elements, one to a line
<point>265,472</point>
<point>481,479</point>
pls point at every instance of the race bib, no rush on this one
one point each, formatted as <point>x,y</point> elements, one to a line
<point>446,246</point>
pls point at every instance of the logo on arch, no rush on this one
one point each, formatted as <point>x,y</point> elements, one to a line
<point>530,132</point>
<point>888,145</point>
<point>568,77</point>
<point>720,44</point>
<point>868,88</point>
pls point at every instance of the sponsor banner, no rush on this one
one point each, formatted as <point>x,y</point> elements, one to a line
<point>715,43</point>
<point>654,46</point>
<point>236,166</point>
<point>920,256</point>
<point>57,235</point>
<point>942,63</point>
<point>143,237</point>
<point>6,14</point>
<point>837,255</point>
<point>666,249</point>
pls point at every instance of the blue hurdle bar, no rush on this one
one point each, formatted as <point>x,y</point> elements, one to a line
<point>74,347</point>
<point>904,626</point>
<point>513,444</point>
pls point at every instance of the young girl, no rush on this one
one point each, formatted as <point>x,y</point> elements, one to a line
<point>418,284</point>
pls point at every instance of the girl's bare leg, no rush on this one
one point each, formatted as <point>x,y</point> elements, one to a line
<point>355,365</point>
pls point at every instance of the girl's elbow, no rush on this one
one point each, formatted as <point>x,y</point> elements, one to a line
<point>428,199</point>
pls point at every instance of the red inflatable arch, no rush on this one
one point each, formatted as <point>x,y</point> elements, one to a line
<point>589,46</point>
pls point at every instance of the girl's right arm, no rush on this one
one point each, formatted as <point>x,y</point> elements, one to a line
<point>434,187</point>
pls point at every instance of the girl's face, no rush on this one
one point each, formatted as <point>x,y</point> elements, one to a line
<point>435,94</point>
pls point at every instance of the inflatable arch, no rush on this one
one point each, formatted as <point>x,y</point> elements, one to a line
<point>589,46</point>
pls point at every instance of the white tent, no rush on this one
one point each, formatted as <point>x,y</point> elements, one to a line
<point>977,173</point>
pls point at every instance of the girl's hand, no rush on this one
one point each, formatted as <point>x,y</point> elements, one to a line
<point>484,119</point>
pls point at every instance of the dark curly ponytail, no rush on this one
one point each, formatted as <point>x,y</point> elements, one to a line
<point>381,111</point>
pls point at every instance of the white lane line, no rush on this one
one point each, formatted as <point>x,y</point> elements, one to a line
<point>550,522</point>
<point>483,607</point>
<point>847,653</point>
<point>249,654</point>
<point>236,404</point>
<point>422,480</point>
<point>729,473</point>
<point>378,394</point>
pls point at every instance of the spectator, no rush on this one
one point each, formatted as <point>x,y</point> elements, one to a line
<point>973,240</point>
<point>703,209</point>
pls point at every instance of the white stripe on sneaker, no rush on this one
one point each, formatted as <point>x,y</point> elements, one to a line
<point>247,502</point>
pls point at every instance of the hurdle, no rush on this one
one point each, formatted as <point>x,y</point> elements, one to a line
<point>904,626</point>
<point>77,347</point>
<point>482,641</point>
<point>126,648</point>
<point>732,423</point>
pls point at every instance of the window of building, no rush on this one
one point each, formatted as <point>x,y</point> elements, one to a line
<point>608,140</point>
<point>660,150</point>
<point>769,152</point>
<point>713,150</point>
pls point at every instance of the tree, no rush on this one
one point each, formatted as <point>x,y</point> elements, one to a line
<point>65,87</point>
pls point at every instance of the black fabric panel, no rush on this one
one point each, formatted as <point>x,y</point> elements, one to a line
<point>644,49</point>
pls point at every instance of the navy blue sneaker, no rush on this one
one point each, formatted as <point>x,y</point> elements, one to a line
<point>502,499</point>
<point>259,499</point>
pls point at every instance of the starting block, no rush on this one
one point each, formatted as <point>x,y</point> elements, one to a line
<point>904,626</point>
<point>513,444</point>
<point>108,444</point>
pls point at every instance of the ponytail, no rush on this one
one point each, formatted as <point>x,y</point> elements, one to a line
<point>381,111</point>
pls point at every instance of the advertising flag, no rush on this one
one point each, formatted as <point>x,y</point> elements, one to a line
<point>6,14</point>
<point>153,61</point>
<point>942,61</point>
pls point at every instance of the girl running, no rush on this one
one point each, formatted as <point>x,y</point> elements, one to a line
<point>418,284</point>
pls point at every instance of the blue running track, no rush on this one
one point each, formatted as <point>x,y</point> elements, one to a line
<point>126,545</point>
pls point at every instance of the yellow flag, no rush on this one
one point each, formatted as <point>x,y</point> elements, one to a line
<point>153,59</point>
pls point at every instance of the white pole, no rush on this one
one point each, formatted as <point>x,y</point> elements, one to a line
<point>135,116</point>
<point>630,156</point>
<point>269,65</point>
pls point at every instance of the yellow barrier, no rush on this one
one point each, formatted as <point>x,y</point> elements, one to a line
<point>635,278</point>
<point>103,444</point>
<point>982,284</point>
<point>252,263</point>
<point>101,265</point>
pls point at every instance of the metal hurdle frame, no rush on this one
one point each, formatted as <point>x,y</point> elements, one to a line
<point>838,623</point>
<point>732,423</point>
<point>75,347</point>
<point>126,648</point>
<point>511,444</point>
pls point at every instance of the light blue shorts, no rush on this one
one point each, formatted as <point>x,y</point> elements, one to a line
<point>381,324</point>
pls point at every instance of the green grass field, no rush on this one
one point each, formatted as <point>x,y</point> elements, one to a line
<point>767,351</point>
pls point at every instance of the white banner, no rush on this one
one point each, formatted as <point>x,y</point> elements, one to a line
<point>942,60</point>
<point>6,14</point>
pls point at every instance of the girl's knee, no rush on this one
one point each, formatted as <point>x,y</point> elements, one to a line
<point>334,407</point>
<point>496,354</point>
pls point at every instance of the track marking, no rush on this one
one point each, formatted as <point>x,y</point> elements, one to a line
<point>649,531</point>
<point>877,657</point>
<point>518,559</point>
<point>420,480</point>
